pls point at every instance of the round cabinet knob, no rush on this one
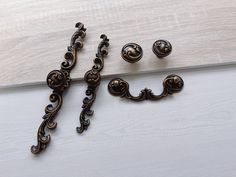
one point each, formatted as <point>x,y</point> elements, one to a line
<point>162,48</point>
<point>132,52</point>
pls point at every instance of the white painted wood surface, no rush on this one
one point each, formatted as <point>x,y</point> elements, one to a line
<point>34,35</point>
<point>192,134</point>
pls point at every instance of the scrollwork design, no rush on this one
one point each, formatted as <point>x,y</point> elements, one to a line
<point>171,84</point>
<point>162,48</point>
<point>58,80</point>
<point>92,78</point>
<point>132,52</point>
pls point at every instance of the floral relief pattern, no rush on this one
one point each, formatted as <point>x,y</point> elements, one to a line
<point>58,80</point>
<point>171,84</point>
<point>93,78</point>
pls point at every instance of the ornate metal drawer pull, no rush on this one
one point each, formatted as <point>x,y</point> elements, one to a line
<point>93,78</point>
<point>171,84</point>
<point>58,80</point>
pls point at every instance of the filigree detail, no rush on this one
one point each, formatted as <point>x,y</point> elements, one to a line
<point>58,80</point>
<point>132,52</point>
<point>93,78</point>
<point>171,84</point>
<point>162,48</point>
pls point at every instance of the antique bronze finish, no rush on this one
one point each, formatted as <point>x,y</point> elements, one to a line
<point>162,48</point>
<point>132,52</point>
<point>93,78</point>
<point>59,81</point>
<point>171,84</point>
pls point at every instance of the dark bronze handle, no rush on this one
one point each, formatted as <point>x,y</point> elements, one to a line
<point>58,80</point>
<point>93,78</point>
<point>171,84</point>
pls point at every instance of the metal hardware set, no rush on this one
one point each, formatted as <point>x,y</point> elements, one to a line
<point>59,81</point>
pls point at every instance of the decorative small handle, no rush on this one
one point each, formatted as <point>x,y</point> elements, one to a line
<point>171,84</point>
<point>93,79</point>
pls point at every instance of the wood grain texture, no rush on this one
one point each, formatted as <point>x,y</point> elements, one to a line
<point>192,134</point>
<point>34,35</point>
